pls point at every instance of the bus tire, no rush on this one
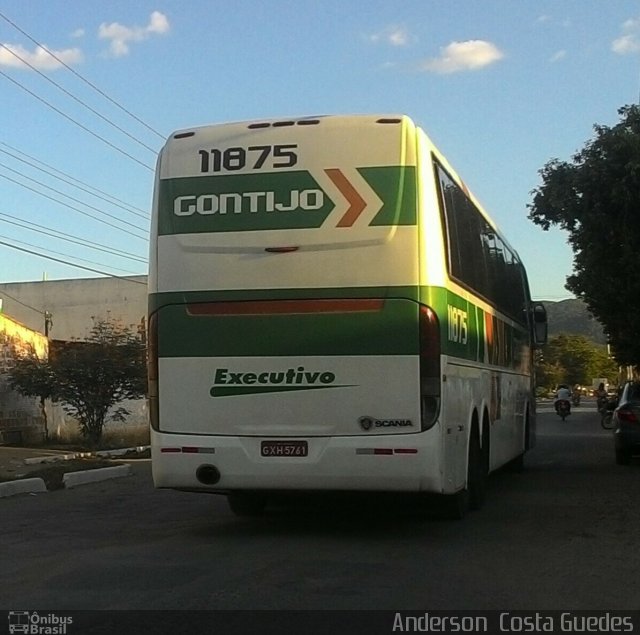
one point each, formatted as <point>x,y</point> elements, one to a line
<point>478,469</point>
<point>247,504</point>
<point>517,465</point>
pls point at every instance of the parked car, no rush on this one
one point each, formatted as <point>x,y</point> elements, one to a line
<point>626,423</point>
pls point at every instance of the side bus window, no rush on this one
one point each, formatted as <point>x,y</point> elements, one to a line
<point>466,257</point>
<point>478,257</point>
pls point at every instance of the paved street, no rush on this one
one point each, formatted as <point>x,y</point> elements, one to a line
<point>560,535</point>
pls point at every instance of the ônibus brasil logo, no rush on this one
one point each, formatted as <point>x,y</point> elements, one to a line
<point>32,623</point>
<point>228,383</point>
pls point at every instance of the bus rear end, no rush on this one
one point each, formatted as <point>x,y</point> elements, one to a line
<point>288,346</point>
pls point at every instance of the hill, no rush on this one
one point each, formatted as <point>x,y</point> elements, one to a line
<point>572,317</point>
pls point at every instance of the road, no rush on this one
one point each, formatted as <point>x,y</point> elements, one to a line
<point>561,535</point>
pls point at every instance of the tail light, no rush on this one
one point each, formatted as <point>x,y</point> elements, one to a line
<point>627,415</point>
<point>429,367</point>
<point>152,371</point>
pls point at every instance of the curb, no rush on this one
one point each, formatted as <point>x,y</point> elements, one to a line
<point>49,459</point>
<point>22,486</point>
<point>84,455</point>
<point>75,479</point>
<point>122,451</point>
<point>69,480</point>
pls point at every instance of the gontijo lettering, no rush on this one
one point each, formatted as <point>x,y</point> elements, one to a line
<point>248,202</point>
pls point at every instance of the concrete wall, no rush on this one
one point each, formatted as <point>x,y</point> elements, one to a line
<point>73,303</point>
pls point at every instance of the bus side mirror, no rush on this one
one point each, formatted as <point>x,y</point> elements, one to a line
<point>540,326</point>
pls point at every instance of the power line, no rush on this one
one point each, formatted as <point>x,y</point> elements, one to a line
<point>71,180</point>
<point>51,198</point>
<point>51,251</point>
<point>3,293</point>
<point>71,198</point>
<point>77,99</point>
<point>86,81</point>
<point>70,264</point>
<point>70,238</point>
<point>77,123</point>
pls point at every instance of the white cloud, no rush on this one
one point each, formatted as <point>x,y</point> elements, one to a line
<point>626,44</point>
<point>629,42</point>
<point>38,58</point>
<point>471,55</point>
<point>78,33</point>
<point>551,21</point>
<point>393,35</point>
<point>121,36</point>
<point>557,56</point>
<point>633,24</point>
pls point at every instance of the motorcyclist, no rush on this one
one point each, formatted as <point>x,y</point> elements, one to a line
<point>563,393</point>
<point>575,395</point>
<point>602,397</point>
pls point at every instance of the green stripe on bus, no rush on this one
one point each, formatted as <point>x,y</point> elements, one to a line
<point>467,331</point>
<point>381,332</point>
<point>157,300</point>
<point>470,333</point>
<point>397,190</point>
<point>275,200</point>
<point>234,391</point>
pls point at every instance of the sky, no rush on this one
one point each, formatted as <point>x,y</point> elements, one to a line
<point>500,86</point>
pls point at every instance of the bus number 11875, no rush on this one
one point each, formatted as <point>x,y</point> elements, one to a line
<point>253,157</point>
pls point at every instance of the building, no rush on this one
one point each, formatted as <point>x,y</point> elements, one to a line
<point>65,309</point>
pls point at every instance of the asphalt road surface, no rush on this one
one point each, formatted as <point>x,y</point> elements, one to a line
<point>563,534</point>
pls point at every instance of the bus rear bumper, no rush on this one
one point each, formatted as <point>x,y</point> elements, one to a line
<point>406,462</point>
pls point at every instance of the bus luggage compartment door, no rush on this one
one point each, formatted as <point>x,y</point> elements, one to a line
<point>290,367</point>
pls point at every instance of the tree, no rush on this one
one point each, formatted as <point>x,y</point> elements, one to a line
<point>595,198</point>
<point>89,378</point>
<point>573,359</point>
<point>33,377</point>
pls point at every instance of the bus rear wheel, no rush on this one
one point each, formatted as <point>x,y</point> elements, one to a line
<point>478,470</point>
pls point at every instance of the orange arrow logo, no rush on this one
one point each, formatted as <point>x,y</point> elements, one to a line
<point>356,202</point>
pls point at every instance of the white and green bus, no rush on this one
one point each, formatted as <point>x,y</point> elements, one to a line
<point>330,309</point>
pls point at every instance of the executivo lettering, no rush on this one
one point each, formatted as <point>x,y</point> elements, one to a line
<point>228,383</point>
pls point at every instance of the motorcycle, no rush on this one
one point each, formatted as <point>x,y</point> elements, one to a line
<point>606,407</point>
<point>563,408</point>
<point>575,399</point>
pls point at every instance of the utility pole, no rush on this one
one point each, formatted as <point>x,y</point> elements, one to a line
<point>48,322</point>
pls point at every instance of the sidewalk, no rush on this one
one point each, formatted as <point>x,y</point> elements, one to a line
<point>22,471</point>
<point>12,463</point>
